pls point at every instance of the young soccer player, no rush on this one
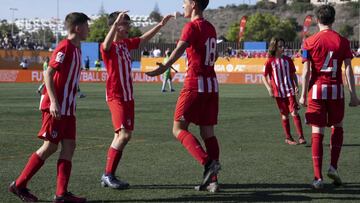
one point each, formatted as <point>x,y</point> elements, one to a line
<point>323,55</point>
<point>283,85</point>
<point>198,100</point>
<point>119,90</point>
<point>167,74</point>
<point>58,107</point>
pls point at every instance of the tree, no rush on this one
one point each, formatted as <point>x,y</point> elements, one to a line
<point>5,28</point>
<point>346,30</point>
<point>98,29</point>
<point>155,14</point>
<point>262,27</point>
<point>233,32</point>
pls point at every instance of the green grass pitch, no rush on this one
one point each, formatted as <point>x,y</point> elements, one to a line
<point>257,166</point>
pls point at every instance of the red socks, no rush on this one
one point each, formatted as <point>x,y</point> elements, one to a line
<point>32,166</point>
<point>286,127</point>
<point>113,158</point>
<point>336,142</point>
<point>193,146</point>
<point>298,126</point>
<point>212,148</point>
<point>63,176</point>
<point>317,153</point>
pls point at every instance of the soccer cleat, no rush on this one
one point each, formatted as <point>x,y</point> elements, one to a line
<point>112,182</point>
<point>212,187</point>
<point>290,141</point>
<point>318,184</point>
<point>81,95</point>
<point>172,90</point>
<point>23,193</point>
<point>163,90</point>
<point>68,197</point>
<point>302,140</point>
<point>211,169</point>
<point>334,175</point>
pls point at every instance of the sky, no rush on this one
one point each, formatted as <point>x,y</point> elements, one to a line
<point>47,9</point>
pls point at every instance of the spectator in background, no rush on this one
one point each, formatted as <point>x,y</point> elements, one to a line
<point>145,52</point>
<point>97,65</point>
<point>45,67</point>
<point>167,74</point>
<point>157,52</point>
<point>87,63</point>
<point>24,64</point>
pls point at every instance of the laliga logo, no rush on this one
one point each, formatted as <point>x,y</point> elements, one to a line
<point>54,134</point>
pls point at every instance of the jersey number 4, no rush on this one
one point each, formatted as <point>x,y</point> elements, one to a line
<point>210,51</point>
<point>327,68</point>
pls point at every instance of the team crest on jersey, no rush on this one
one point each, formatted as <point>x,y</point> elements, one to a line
<point>60,57</point>
<point>54,134</point>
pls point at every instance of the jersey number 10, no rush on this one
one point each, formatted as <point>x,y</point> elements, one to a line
<point>327,68</point>
<point>210,51</point>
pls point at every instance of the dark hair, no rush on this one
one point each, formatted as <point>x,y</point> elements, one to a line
<point>202,4</point>
<point>113,16</point>
<point>74,19</point>
<point>273,46</point>
<point>325,14</point>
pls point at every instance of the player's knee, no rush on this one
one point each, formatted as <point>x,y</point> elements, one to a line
<point>124,136</point>
<point>176,131</point>
<point>47,149</point>
<point>284,117</point>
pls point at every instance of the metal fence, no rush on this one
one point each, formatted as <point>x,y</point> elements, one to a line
<point>222,47</point>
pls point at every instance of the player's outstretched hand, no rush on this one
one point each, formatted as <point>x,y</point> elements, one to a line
<point>157,71</point>
<point>271,93</point>
<point>166,19</point>
<point>121,17</point>
<point>354,101</point>
<point>302,101</point>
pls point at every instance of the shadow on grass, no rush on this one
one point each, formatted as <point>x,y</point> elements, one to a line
<point>254,193</point>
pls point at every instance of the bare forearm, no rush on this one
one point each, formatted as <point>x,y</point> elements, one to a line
<point>150,34</point>
<point>305,81</point>
<point>109,38</point>
<point>266,83</point>
<point>350,80</point>
<point>49,83</point>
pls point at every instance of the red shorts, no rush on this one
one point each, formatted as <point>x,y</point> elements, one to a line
<point>56,130</point>
<point>122,114</point>
<point>323,113</point>
<point>197,108</point>
<point>287,105</point>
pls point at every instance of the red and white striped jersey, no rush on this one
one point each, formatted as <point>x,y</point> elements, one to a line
<point>326,51</point>
<point>66,60</point>
<point>326,91</point>
<point>281,72</point>
<point>118,65</point>
<point>200,34</point>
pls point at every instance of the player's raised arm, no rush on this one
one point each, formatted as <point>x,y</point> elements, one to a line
<point>111,34</point>
<point>49,83</point>
<point>176,54</point>
<point>305,82</point>
<point>349,74</point>
<point>151,33</point>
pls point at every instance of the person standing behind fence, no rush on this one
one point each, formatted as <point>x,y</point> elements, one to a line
<point>167,74</point>
<point>45,67</point>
